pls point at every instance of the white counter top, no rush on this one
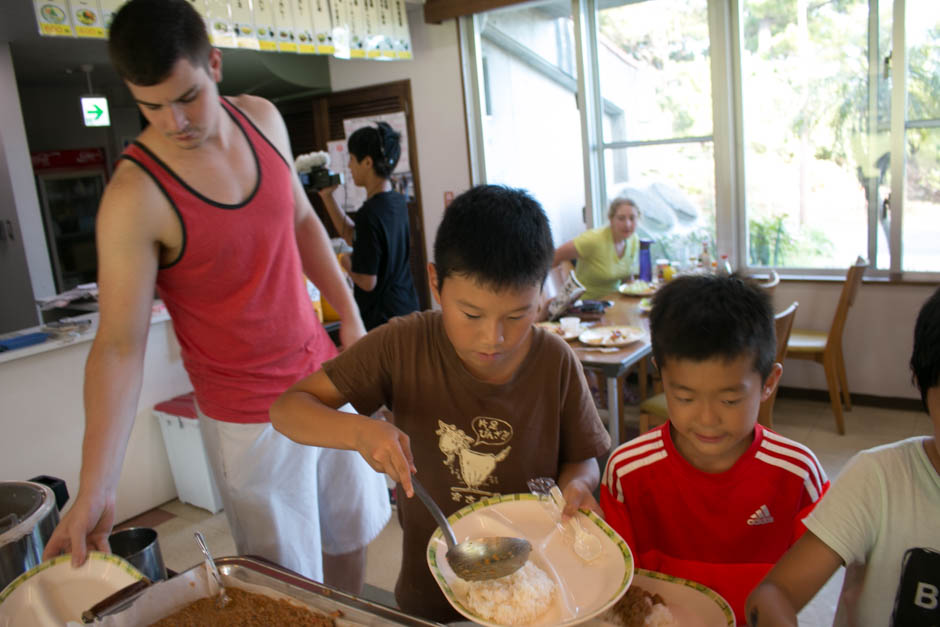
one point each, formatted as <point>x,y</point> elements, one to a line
<point>158,314</point>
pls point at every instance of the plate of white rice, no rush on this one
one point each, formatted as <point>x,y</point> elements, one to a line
<point>555,587</point>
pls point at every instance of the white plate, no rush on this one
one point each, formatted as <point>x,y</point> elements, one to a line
<point>637,288</point>
<point>555,327</point>
<point>611,336</point>
<point>583,591</point>
<point>54,593</point>
<point>645,305</point>
<point>691,603</point>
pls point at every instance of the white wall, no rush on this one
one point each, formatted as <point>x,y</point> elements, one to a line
<point>42,418</point>
<point>436,91</point>
<point>878,335</point>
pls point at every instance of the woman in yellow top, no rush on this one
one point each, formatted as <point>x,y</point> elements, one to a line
<point>608,254</point>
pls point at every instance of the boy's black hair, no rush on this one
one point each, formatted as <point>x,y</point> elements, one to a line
<point>925,358</point>
<point>148,37</point>
<point>495,235</point>
<point>702,317</point>
<point>381,142</point>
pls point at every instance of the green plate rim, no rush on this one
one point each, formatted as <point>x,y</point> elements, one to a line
<point>711,594</point>
<point>96,555</point>
<point>629,571</point>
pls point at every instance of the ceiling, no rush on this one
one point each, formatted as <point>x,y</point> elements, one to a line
<point>44,61</point>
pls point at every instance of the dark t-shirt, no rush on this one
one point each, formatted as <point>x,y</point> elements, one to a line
<point>470,439</point>
<point>382,248</point>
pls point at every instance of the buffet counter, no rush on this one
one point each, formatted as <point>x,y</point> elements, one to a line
<point>43,416</point>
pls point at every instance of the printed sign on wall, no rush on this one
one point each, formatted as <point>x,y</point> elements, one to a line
<point>53,18</point>
<point>87,18</point>
<point>243,24</point>
<point>322,26</point>
<point>108,9</point>
<point>284,26</point>
<point>264,24</point>
<point>221,29</point>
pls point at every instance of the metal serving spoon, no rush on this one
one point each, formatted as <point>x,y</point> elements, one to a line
<point>223,599</point>
<point>480,559</point>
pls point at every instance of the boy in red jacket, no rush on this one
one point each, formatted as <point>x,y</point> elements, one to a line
<point>712,496</point>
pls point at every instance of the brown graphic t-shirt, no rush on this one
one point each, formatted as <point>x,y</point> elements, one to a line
<point>470,439</point>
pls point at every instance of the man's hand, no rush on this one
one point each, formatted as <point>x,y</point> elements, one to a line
<point>387,449</point>
<point>327,192</point>
<point>345,262</point>
<point>84,528</point>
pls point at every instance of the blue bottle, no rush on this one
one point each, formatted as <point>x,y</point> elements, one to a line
<point>646,264</point>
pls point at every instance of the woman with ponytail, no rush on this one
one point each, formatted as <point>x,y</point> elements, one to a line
<point>378,232</point>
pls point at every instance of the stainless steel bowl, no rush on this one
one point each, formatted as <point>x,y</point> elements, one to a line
<point>28,516</point>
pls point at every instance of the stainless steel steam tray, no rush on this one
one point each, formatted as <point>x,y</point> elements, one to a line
<point>355,610</point>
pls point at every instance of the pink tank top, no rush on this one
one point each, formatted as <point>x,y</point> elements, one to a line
<point>236,292</point>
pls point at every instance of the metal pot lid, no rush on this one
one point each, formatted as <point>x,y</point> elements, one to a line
<point>23,505</point>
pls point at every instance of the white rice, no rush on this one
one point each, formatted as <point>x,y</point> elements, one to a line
<point>660,616</point>
<point>515,599</point>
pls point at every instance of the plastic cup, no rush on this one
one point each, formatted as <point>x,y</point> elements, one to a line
<point>570,324</point>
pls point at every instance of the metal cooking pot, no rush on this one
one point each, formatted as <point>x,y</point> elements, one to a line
<point>28,515</point>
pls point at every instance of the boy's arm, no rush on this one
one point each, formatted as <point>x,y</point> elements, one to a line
<point>792,583</point>
<point>577,481</point>
<point>306,413</point>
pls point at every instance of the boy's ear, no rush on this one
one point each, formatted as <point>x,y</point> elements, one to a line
<point>432,282</point>
<point>770,384</point>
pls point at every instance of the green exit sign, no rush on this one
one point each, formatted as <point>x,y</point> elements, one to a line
<point>95,111</point>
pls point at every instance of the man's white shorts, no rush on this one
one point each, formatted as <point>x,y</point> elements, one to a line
<point>288,502</point>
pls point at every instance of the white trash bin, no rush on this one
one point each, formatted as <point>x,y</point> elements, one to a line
<point>188,461</point>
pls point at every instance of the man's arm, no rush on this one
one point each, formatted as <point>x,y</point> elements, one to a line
<point>340,219</point>
<point>316,252</point>
<point>792,582</point>
<point>127,267</point>
<point>577,481</point>
<point>306,413</point>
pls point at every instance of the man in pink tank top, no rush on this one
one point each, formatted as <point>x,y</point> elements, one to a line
<point>206,207</point>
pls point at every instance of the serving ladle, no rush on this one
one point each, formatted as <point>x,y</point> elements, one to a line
<point>480,559</point>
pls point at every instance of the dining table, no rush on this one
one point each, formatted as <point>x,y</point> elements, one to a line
<point>614,365</point>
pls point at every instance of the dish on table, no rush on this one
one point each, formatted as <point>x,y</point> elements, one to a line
<point>583,590</point>
<point>645,304</point>
<point>54,593</point>
<point>690,603</point>
<point>637,288</point>
<point>555,327</point>
<point>611,336</point>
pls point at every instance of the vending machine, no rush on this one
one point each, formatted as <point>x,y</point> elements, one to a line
<point>70,184</point>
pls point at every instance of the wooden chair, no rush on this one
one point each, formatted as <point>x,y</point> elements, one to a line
<point>654,409</point>
<point>783,325</point>
<point>770,283</point>
<point>825,347</point>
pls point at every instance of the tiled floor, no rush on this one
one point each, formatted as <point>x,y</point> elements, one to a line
<point>809,422</point>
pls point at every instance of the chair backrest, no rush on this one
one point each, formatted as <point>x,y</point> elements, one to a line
<point>553,284</point>
<point>849,289</point>
<point>783,324</point>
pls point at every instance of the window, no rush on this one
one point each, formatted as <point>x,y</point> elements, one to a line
<point>655,84</point>
<point>774,133</point>
<point>532,129</point>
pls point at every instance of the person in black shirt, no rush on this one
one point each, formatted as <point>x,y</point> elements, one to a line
<point>378,232</point>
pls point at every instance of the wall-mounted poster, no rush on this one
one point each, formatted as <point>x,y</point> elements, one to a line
<point>108,9</point>
<point>88,19</point>
<point>303,27</point>
<point>53,18</point>
<point>386,30</point>
<point>284,26</point>
<point>402,37</point>
<point>243,24</point>
<point>339,14</point>
<point>264,24</point>
<point>357,29</point>
<point>322,26</point>
<point>221,29</point>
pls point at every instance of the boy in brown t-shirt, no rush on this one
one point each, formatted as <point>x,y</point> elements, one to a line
<point>482,400</point>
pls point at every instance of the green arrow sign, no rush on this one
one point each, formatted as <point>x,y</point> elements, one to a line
<point>95,111</point>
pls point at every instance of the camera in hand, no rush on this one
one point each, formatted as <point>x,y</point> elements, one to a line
<point>320,178</point>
